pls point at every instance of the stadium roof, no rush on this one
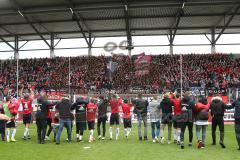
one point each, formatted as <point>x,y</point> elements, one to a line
<point>38,19</point>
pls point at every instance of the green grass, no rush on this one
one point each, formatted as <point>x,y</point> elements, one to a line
<point>123,149</point>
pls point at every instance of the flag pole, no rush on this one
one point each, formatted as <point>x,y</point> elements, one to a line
<point>69,76</point>
<point>181,75</point>
<point>17,76</point>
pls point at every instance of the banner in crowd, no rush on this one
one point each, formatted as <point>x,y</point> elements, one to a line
<point>112,66</point>
<point>142,64</point>
<point>197,91</point>
<point>221,91</point>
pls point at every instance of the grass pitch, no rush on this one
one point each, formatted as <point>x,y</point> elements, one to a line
<point>123,149</point>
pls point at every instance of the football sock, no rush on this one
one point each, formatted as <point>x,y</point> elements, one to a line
<point>25,132</point>
<point>117,133</point>
<point>126,131</point>
<point>178,135</point>
<point>175,134</point>
<point>8,134</point>
<point>80,137</point>
<point>129,131</point>
<point>14,133</point>
<point>91,134</point>
<point>110,132</point>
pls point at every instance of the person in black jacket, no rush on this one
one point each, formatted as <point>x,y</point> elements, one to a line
<point>140,110</point>
<point>65,118</point>
<point>80,116</point>
<point>102,116</point>
<point>2,125</point>
<point>236,105</point>
<point>41,117</point>
<point>217,108</point>
<point>167,108</point>
<point>186,119</point>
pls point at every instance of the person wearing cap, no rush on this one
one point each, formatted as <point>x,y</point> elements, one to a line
<point>26,101</point>
<point>41,116</point>
<point>140,109</point>
<point>102,116</point>
<point>65,118</point>
<point>166,106</point>
<point>155,115</point>
<point>80,107</point>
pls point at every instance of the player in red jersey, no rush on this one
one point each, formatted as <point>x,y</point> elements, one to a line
<point>49,123</point>
<point>114,103</point>
<point>177,115</point>
<point>126,109</point>
<point>26,101</point>
<point>91,116</point>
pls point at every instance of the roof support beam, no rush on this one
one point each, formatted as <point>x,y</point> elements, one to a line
<point>77,18</point>
<point>133,29</point>
<point>20,11</point>
<point>7,42</point>
<point>90,46</point>
<point>170,38</point>
<point>52,46</point>
<point>93,6</point>
<point>115,18</point>
<point>213,41</point>
<point>175,25</point>
<point>38,33</point>
<point>16,48</point>
<point>128,29</point>
<point>227,24</point>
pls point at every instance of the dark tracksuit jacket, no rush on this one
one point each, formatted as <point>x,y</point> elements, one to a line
<point>166,106</point>
<point>236,105</point>
<point>41,117</point>
<point>187,117</point>
<point>217,108</point>
<point>80,114</point>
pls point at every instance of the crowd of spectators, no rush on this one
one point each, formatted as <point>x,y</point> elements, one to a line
<point>96,73</point>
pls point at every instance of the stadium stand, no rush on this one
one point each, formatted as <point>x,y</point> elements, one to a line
<point>92,73</point>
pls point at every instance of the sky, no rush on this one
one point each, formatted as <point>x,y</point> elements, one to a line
<point>158,46</point>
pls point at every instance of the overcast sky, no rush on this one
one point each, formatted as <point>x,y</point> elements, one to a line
<point>157,41</point>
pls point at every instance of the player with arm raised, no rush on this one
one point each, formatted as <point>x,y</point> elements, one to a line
<point>26,101</point>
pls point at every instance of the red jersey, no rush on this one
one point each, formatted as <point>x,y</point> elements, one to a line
<point>126,108</point>
<point>49,113</point>
<point>177,106</point>
<point>91,112</point>
<point>114,104</point>
<point>199,107</point>
<point>27,106</point>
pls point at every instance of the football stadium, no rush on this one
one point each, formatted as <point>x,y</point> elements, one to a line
<point>119,79</point>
